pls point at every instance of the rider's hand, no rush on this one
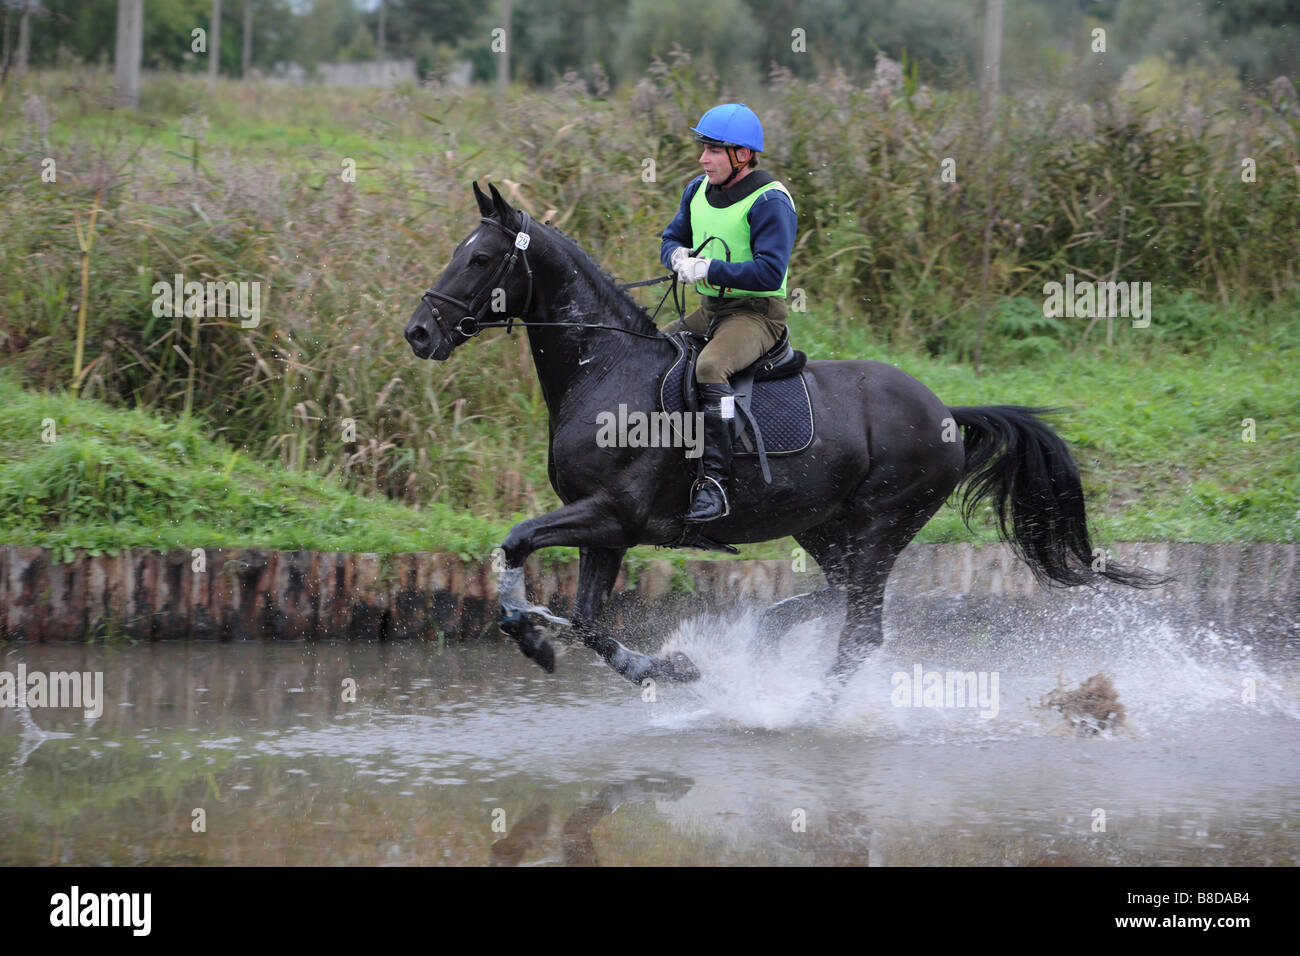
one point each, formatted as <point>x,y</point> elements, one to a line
<point>693,270</point>
<point>675,260</point>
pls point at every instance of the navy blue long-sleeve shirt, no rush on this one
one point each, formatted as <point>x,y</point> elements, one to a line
<point>772,226</point>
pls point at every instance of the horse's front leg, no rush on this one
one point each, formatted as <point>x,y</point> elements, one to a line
<point>581,524</point>
<point>592,526</point>
<point>597,571</point>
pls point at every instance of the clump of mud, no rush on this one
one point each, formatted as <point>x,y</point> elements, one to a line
<point>1091,707</point>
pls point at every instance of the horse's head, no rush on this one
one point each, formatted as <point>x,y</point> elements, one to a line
<point>488,273</point>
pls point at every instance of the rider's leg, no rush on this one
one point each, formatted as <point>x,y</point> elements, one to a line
<point>709,495</point>
<point>741,335</point>
<point>743,332</point>
<point>697,321</point>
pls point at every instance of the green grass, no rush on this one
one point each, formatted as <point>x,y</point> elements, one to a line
<point>115,479</point>
<point>1156,432</point>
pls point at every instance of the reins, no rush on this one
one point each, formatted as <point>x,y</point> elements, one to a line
<point>472,323</point>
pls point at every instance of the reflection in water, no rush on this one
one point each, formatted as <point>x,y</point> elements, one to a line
<point>579,849</point>
<point>528,834</point>
<point>756,764</point>
<point>533,833</point>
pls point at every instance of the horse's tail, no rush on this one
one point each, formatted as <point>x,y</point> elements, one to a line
<point>1024,469</point>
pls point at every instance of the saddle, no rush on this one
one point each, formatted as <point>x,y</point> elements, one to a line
<point>774,414</point>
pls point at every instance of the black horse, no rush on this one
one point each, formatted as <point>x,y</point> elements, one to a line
<point>886,456</point>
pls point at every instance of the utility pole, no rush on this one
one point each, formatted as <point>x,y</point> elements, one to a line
<point>991,64</point>
<point>246,60</point>
<point>130,48</point>
<point>24,37</point>
<point>214,45</point>
<point>383,20</point>
<point>503,58</point>
<point>988,117</point>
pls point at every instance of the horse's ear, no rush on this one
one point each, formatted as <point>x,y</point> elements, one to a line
<point>484,204</point>
<point>503,210</point>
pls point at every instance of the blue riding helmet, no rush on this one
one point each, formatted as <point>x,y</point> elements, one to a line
<point>731,124</point>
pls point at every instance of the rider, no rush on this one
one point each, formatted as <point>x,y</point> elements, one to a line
<point>743,226</point>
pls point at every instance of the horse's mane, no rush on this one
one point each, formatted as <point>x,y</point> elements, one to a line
<point>605,285</point>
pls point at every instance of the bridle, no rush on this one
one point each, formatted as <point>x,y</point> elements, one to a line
<point>472,322</point>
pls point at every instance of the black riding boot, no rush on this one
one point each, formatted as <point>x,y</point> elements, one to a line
<point>709,495</point>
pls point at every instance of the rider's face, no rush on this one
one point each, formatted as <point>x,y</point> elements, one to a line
<point>716,165</point>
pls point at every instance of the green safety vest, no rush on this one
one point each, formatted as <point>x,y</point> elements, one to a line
<point>732,226</point>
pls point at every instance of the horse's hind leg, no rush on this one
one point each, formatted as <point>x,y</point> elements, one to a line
<point>827,543</point>
<point>780,617</point>
<point>597,571</point>
<point>875,547</point>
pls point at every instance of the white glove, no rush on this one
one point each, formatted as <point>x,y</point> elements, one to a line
<point>694,270</point>
<point>675,260</point>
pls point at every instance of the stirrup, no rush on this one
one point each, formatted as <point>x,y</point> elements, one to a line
<point>726,503</point>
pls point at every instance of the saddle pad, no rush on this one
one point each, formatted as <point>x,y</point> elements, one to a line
<point>781,406</point>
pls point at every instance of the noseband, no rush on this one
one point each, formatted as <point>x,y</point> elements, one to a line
<point>472,322</point>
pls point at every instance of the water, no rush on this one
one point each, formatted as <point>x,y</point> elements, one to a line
<point>469,754</point>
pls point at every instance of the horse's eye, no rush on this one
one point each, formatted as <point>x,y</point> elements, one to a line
<point>479,258</point>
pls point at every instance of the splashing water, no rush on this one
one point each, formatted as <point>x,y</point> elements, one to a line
<point>1172,681</point>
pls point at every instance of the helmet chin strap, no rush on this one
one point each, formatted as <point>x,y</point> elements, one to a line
<point>736,167</point>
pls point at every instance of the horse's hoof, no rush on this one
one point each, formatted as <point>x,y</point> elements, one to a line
<point>634,666</point>
<point>676,667</point>
<point>543,654</point>
<point>534,645</point>
<point>546,658</point>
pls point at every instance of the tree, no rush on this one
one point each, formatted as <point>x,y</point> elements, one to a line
<point>721,32</point>
<point>1263,37</point>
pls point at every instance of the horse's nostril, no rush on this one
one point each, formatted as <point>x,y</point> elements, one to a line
<point>417,334</point>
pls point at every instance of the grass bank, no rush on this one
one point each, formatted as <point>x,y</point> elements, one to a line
<point>1158,434</point>
<point>77,473</point>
